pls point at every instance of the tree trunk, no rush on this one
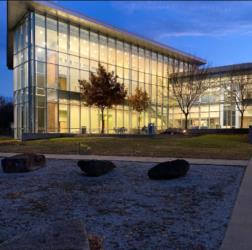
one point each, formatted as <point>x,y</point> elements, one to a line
<point>186,120</point>
<point>139,122</point>
<point>102,114</point>
<point>242,116</point>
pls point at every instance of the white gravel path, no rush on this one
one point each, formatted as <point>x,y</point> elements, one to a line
<point>124,207</point>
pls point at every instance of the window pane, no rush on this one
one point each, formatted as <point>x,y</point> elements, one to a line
<point>63,78</point>
<point>52,117</point>
<point>26,33</point>
<point>41,119</point>
<point>84,75</point>
<point>63,59</point>
<point>103,49</point>
<point>63,37</point>
<point>154,63</point>
<point>52,57</point>
<point>147,61</point>
<point>63,118</point>
<point>134,58</point>
<point>141,60</point>
<point>74,80</point>
<point>74,40</point>
<point>40,30</point>
<point>160,65</point>
<point>40,54</point>
<point>84,64</point>
<point>16,38</point>
<point>40,74</point>
<point>52,75</point>
<point>51,35</point>
<point>126,55</point>
<point>94,46</point>
<point>119,53</point>
<point>85,117</point>
<point>84,43</point>
<point>74,61</point>
<point>75,119</point>
<point>21,37</point>
<point>111,51</point>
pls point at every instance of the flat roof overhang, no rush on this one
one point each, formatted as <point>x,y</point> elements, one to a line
<point>17,9</point>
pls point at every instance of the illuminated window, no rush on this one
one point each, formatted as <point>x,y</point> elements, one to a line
<point>84,63</point>
<point>153,63</point>
<point>119,72</point>
<point>75,119</point>
<point>40,54</point>
<point>141,60</point>
<point>63,37</point>
<point>134,58</point>
<point>165,66</point>
<point>40,75</point>
<point>103,49</point>
<point>74,80</point>
<point>147,61</point>
<point>63,78</point>
<point>40,30</point>
<point>74,61</point>
<point>93,45</point>
<point>52,57</point>
<point>51,35</point>
<point>63,118</point>
<point>119,53</point>
<point>126,55</point>
<point>52,117</point>
<point>160,65</point>
<point>63,59</point>
<point>74,40</point>
<point>111,51</point>
<point>84,43</point>
<point>52,76</point>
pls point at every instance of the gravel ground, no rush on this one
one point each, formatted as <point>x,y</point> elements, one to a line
<point>124,207</point>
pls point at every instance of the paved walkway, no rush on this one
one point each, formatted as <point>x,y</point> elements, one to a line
<point>239,232</point>
<point>140,159</point>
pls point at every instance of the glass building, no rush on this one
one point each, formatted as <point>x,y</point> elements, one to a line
<point>50,49</point>
<point>215,108</point>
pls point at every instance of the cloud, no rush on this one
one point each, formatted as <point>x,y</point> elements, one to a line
<point>177,19</point>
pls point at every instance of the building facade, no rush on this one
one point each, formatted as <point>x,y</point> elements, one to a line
<point>215,108</point>
<point>50,49</point>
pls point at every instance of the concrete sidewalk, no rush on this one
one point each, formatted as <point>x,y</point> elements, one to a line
<point>140,159</point>
<point>239,232</point>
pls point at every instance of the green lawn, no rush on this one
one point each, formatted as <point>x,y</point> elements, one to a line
<point>205,146</point>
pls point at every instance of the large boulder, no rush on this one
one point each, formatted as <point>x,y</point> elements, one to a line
<point>95,168</point>
<point>23,163</point>
<point>63,235</point>
<point>169,170</point>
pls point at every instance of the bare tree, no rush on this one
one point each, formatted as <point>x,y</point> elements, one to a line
<point>187,87</point>
<point>140,102</point>
<point>102,90</point>
<point>237,90</point>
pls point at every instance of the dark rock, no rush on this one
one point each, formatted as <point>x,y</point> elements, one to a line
<point>95,242</point>
<point>63,235</point>
<point>95,168</point>
<point>23,163</point>
<point>169,170</point>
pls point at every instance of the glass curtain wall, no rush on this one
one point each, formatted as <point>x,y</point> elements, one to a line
<point>22,85</point>
<point>65,53</point>
<point>213,109</point>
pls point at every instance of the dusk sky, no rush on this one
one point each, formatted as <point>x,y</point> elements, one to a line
<point>220,32</point>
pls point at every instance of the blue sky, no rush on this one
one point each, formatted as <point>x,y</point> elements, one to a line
<point>220,32</point>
